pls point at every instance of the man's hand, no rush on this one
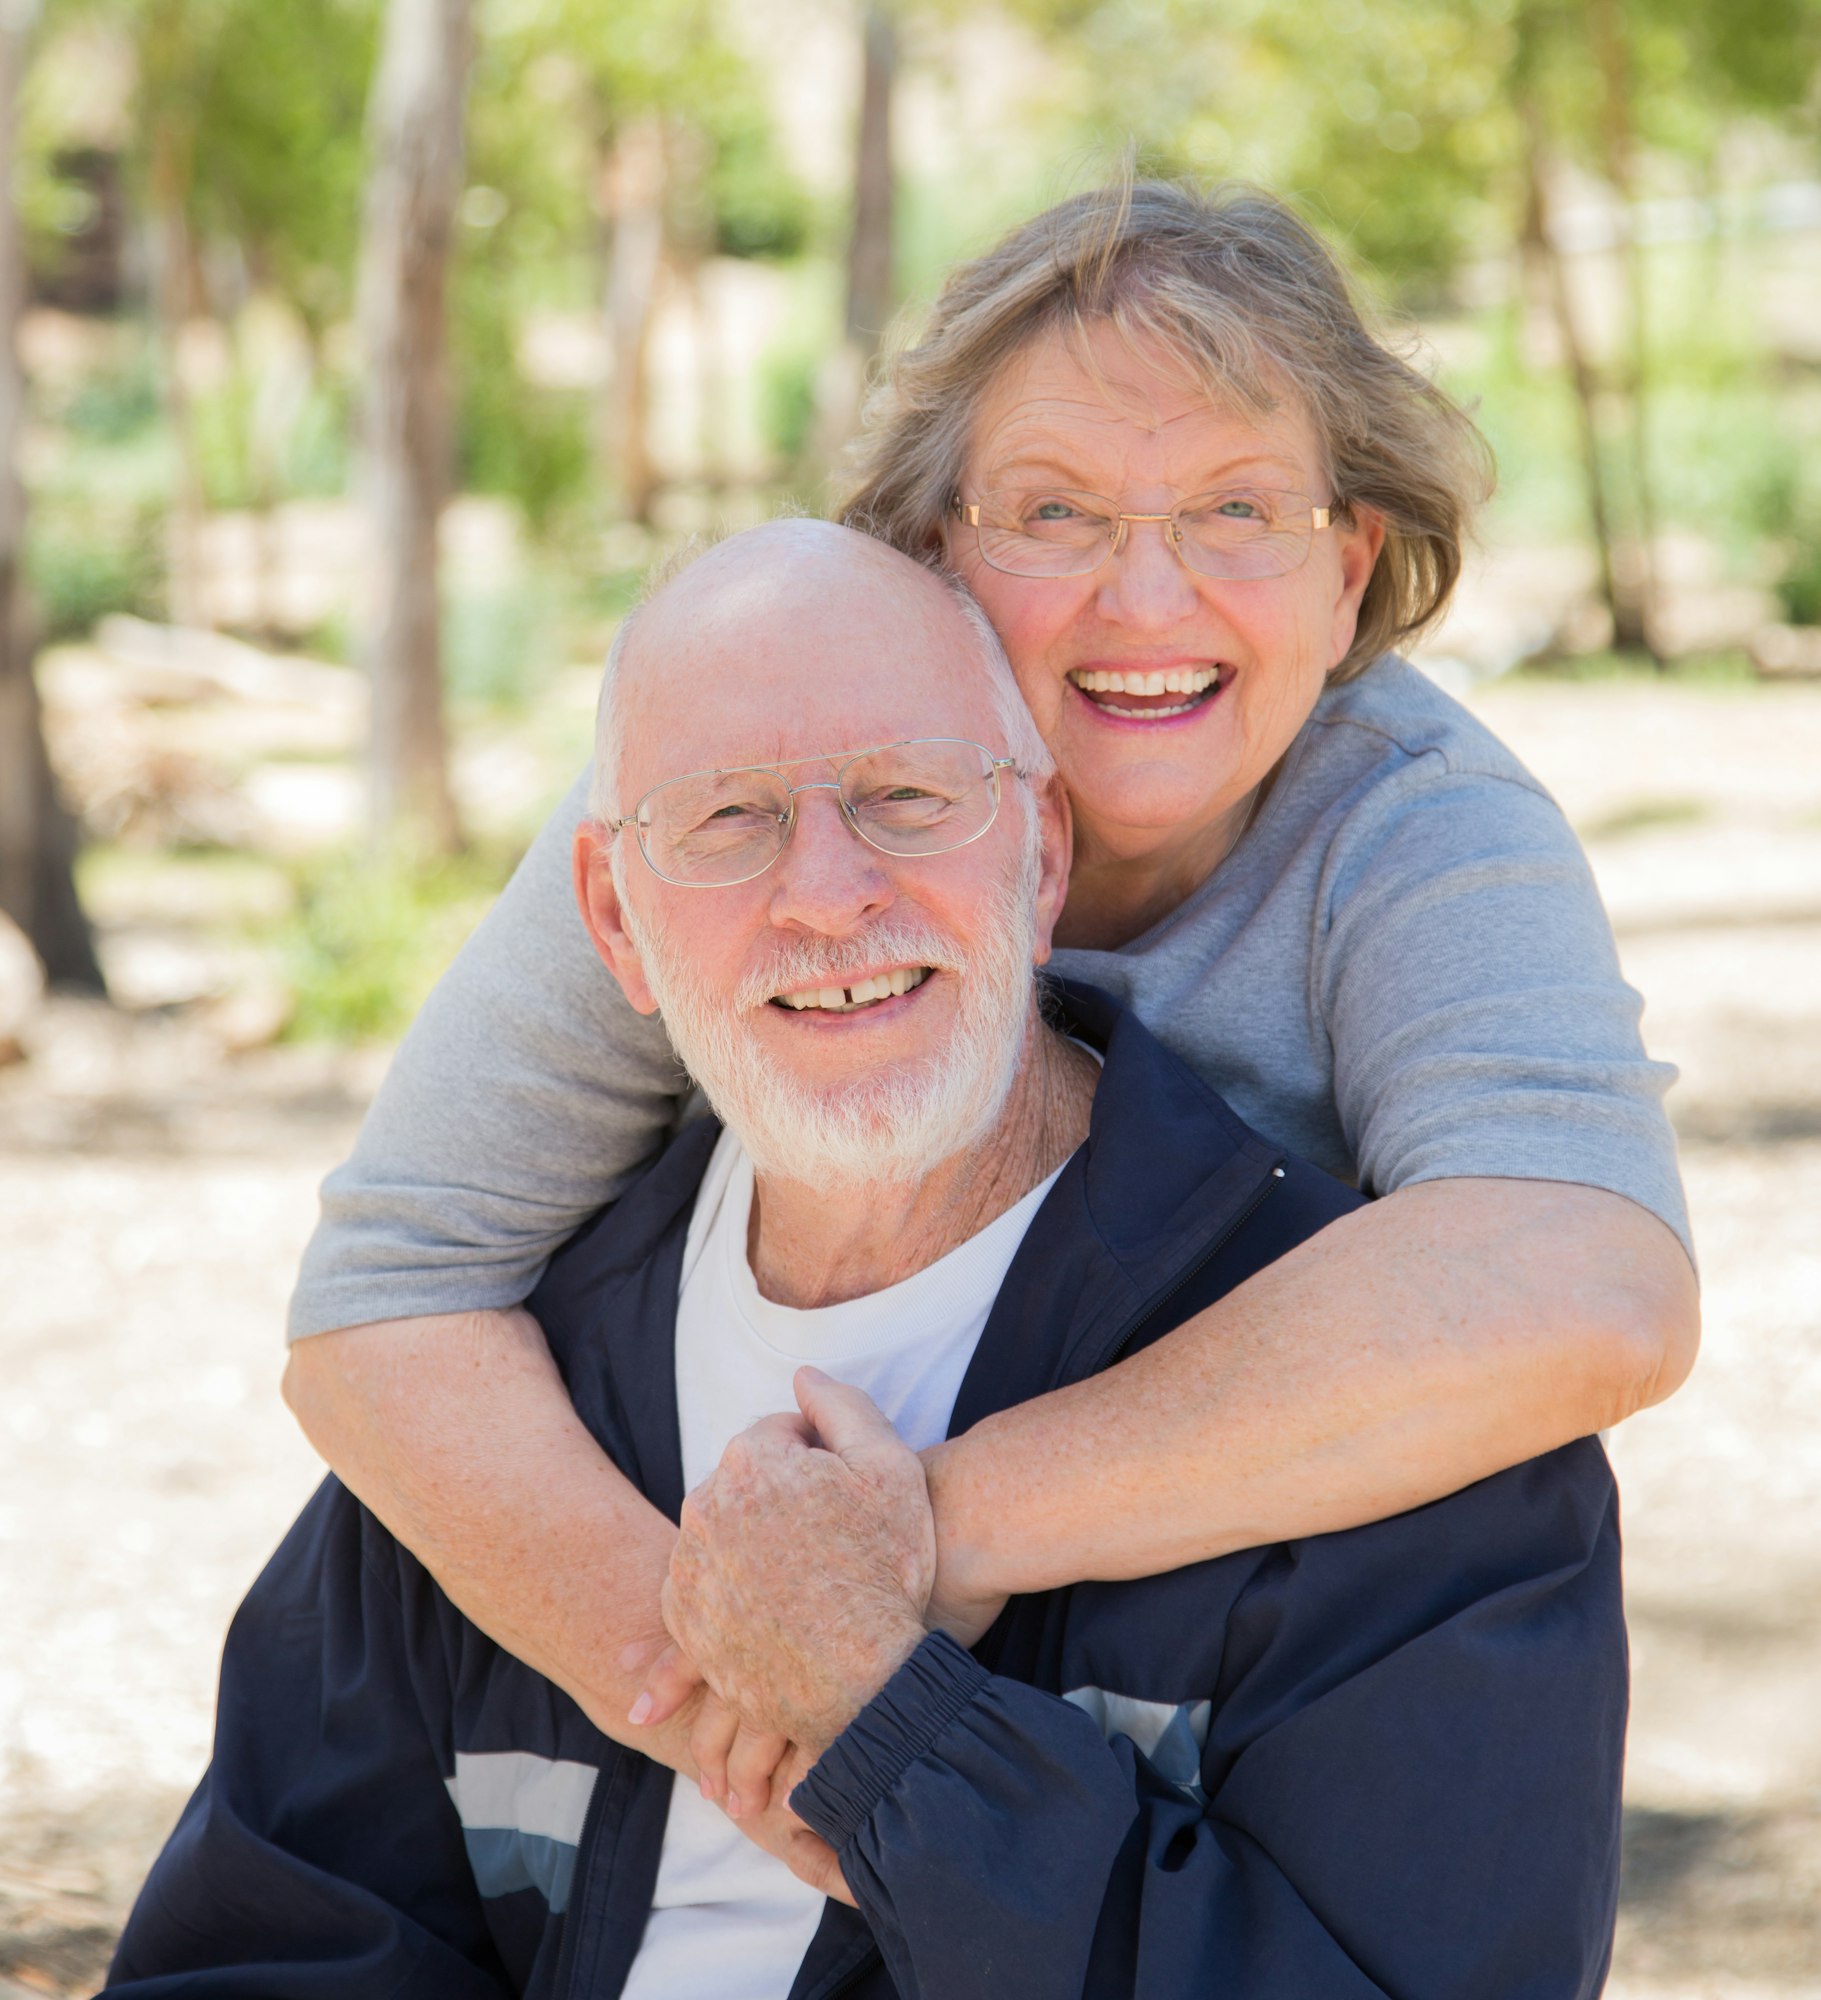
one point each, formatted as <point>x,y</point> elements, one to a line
<point>802,1576</point>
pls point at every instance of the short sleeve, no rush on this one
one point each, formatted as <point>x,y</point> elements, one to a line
<point>525,1095</point>
<point>1469,985</point>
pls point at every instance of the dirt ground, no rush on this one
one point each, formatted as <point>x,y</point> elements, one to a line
<point>154,1198</point>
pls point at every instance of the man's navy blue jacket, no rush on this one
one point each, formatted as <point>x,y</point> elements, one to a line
<point>1384,1762</point>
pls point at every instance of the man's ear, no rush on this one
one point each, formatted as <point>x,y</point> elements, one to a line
<point>598,895</point>
<point>1056,829</point>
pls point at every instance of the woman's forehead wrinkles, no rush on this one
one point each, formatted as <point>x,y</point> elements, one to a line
<point>1078,444</point>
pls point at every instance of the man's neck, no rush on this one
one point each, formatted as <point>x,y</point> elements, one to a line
<point>813,1246</point>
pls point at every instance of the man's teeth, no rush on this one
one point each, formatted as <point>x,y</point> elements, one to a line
<point>844,999</point>
<point>1175,680</point>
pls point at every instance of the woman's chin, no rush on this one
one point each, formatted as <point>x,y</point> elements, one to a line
<point>1129,815</point>
<point>1147,790</point>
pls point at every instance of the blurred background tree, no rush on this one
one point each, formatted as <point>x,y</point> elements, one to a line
<point>37,836</point>
<point>415,149</point>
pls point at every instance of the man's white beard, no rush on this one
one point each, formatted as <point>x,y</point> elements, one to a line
<point>891,1124</point>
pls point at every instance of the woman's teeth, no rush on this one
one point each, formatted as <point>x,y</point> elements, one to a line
<point>844,999</point>
<point>1194,682</point>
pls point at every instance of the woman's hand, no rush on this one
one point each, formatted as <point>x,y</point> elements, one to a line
<point>747,1772</point>
<point>734,1761</point>
<point>779,1831</point>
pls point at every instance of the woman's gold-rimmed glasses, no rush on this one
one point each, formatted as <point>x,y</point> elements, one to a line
<point>1238,534</point>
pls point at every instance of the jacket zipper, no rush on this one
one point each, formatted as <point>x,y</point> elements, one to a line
<point>1155,1305</point>
<point>582,1895</point>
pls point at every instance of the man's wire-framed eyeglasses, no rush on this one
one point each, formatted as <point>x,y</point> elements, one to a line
<point>716,829</point>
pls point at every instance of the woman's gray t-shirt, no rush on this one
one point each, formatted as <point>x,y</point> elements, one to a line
<point>1402,972</point>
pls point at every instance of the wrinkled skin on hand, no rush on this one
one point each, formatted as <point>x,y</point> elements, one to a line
<point>802,1575</point>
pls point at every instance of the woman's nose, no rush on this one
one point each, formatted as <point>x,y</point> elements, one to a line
<point>827,879</point>
<point>1145,584</point>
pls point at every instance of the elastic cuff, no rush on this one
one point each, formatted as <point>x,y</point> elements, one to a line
<point>889,1734</point>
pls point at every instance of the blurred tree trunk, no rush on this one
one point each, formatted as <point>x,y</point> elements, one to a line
<point>1612,46</point>
<point>414,183</point>
<point>1543,253</point>
<point>166,87</point>
<point>871,249</point>
<point>632,199</point>
<point>871,252</point>
<point>37,836</point>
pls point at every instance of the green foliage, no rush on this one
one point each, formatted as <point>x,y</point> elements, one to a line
<point>787,398</point>
<point>117,405</point>
<point>278,90</point>
<point>759,207</point>
<point>528,444</point>
<point>1391,126</point>
<point>248,123</point>
<point>242,468</point>
<point>499,646</point>
<point>1646,815</point>
<point>86,559</point>
<point>369,939</point>
<point>1799,585</point>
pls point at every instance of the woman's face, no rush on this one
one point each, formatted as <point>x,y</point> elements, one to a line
<point>1169,775</point>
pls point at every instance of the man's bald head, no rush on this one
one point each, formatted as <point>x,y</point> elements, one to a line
<point>787,610</point>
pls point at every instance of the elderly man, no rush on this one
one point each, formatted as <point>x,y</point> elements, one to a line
<point>830,848</point>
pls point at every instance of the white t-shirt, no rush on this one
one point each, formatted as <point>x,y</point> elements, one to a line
<point>728,1921</point>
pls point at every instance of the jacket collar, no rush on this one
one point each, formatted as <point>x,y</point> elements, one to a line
<point>1165,1172</point>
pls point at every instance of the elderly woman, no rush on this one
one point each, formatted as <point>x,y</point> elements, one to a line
<point>1201,503</point>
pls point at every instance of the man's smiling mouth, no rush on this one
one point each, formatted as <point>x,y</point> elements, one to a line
<point>1152,694</point>
<point>862,993</point>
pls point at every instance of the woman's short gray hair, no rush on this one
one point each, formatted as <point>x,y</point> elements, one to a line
<point>1255,307</point>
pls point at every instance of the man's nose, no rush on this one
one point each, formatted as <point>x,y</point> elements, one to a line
<point>827,879</point>
<point>1146,585</point>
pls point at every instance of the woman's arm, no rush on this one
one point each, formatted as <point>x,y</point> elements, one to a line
<point>1424,1342</point>
<point>458,1433</point>
<point>526,1095</point>
<point>1417,1345</point>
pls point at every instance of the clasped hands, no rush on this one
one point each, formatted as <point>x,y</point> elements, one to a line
<point>801,1580</point>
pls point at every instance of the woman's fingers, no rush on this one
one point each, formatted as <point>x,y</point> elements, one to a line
<point>810,1859</point>
<point>670,1679</point>
<point>712,1736</point>
<point>754,1757</point>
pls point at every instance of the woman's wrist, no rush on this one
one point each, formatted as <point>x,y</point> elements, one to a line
<point>972,1578</point>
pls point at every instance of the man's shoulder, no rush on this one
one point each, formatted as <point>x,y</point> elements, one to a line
<point>626,1233</point>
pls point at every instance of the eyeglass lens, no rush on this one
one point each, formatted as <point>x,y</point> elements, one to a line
<point>1232,534</point>
<point>716,828</point>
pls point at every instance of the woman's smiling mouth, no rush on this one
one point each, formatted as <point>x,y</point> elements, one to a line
<point>1153,694</point>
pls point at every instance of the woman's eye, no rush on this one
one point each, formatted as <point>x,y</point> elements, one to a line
<point>1239,507</point>
<point>1052,510</point>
